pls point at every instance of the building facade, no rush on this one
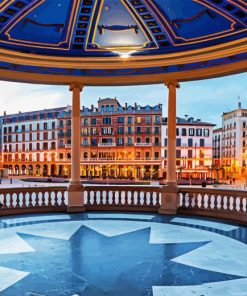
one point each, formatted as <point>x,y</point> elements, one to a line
<point>116,141</point>
<point>194,151</point>
<point>233,144</point>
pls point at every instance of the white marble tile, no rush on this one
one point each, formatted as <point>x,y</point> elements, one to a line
<point>58,230</point>
<point>121,216</point>
<point>9,277</point>
<point>226,288</point>
<point>12,243</point>
<point>13,221</point>
<point>113,228</point>
<point>215,225</point>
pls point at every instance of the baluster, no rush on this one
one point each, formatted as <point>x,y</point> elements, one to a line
<point>215,202</point>
<point>100,197</point>
<point>204,207</point>
<point>11,206</point>
<point>113,198</point>
<point>234,204</point>
<point>49,198</point>
<point>228,197</point>
<point>132,201</point>
<point>221,202</point>
<point>138,198</point>
<point>196,201</point>
<point>30,199</point>
<point>190,200</point>
<point>152,198</point>
<point>107,197</point>
<point>145,199</point>
<point>55,199</point>
<point>24,200</point>
<point>63,198</point>
<point>4,200</point>
<point>43,199</point>
<point>18,199</point>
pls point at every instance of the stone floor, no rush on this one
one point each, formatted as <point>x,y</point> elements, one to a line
<point>96,254</point>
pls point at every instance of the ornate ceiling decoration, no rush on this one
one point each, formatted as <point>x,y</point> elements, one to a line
<point>113,29</point>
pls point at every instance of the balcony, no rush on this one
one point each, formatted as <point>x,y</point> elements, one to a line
<point>142,144</point>
<point>106,144</point>
<point>220,203</point>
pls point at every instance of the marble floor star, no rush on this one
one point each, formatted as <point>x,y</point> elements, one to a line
<point>94,254</point>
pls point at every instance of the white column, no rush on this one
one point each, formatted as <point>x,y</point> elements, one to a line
<point>75,189</point>
<point>169,196</point>
<point>76,89</point>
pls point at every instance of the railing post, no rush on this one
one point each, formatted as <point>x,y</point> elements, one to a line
<point>75,189</point>
<point>169,197</point>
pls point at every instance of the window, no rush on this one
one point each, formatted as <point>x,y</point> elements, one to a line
<point>191,132</point>
<point>120,141</point>
<point>138,120</point>
<point>156,155</point>
<point>120,120</point>
<point>120,130</point>
<point>103,108</point>
<point>61,123</point>
<point>206,133</point>
<point>107,120</point>
<point>138,129</point>
<point>147,155</point>
<point>112,107</point>
<point>184,132</point>
<point>45,126</point>
<point>129,130</point>
<point>177,131</point>
<point>147,140</point>
<point>148,120</point>
<point>165,142</point>
<point>202,142</point>
<point>85,142</point>
<point>156,141</point>
<point>93,121</point>
<point>129,120</point>
<point>156,130</point>
<point>178,153</point>
<point>178,142</point>
<point>138,140</point>
<point>190,153</point>
<point>148,130</point>
<point>129,141</point>
<point>157,119</point>
<point>42,116</point>
<point>199,132</point>
<point>190,142</point>
<point>93,131</point>
<point>85,121</point>
<point>94,142</point>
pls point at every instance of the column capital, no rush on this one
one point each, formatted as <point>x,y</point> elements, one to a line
<point>75,85</point>
<point>174,83</point>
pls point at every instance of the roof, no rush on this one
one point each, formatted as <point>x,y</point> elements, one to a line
<point>147,41</point>
<point>188,121</point>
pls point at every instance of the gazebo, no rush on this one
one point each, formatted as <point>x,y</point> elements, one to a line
<point>121,42</point>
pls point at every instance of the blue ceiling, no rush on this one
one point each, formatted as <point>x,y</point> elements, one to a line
<point>107,27</point>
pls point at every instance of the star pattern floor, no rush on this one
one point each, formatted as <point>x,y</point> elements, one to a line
<point>121,254</point>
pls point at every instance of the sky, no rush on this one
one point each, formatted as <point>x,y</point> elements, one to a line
<point>205,99</point>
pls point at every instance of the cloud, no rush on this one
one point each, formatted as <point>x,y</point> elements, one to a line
<point>205,99</point>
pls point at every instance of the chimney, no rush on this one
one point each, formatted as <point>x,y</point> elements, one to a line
<point>239,105</point>
<point>92,107</point>
<point>4,113</point>
<point>135,105</point>
<point>126,105</point>
<point>83,108</point>
<point>186,116</point>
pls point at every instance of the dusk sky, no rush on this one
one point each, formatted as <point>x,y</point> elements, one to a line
<point>205,99</point>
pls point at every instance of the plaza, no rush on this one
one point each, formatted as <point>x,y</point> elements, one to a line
<point>107,239</point>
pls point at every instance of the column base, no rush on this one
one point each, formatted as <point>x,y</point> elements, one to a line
<point>75,198</point>
<point>169,199</point>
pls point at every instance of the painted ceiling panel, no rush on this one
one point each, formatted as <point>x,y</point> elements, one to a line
<point>103,27</point>
<point>39,25</point>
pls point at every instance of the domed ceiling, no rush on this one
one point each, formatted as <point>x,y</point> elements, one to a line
<point>115,30</point>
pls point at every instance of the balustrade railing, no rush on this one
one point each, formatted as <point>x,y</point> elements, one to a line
<point>32,199</point>
<point>219,203</point>
<point>125,198</point>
